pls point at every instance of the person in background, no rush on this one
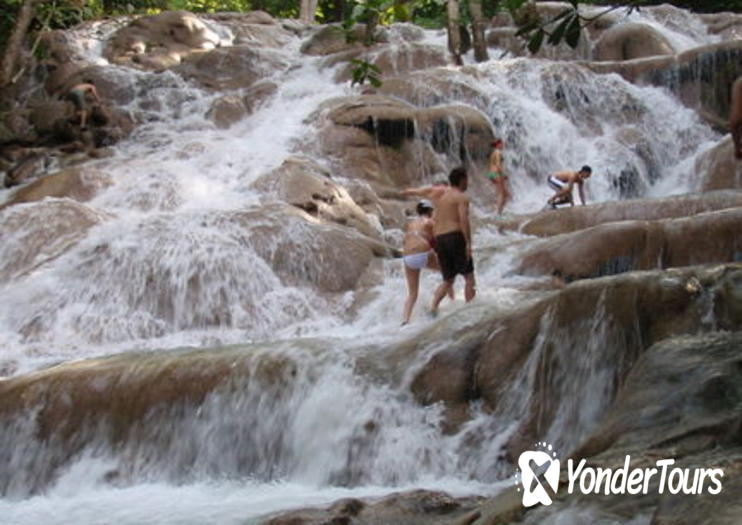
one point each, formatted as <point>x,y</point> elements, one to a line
<point>563,182</point>
<point>417,253</point>
<point>78,95</point>
<point>453,238</point>
<point>498,177</point>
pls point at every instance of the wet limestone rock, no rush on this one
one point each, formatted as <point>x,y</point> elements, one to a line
<point>226,111</point>
<point>258,94</point>
<point>35,234</point>
<point>396,60</point>
<point>624,246</point>
<point>431,88</point>
<point>331,39</point>
<point>163,40</point>
<point>417,507</point>
<point>629,41</point>
<point>304,184</point>
<point>255,28</point>
<point>718,169</point>
<point>27,168</point>
<point>391,143</point>
<point>700,77</point>
<point>303,250</point>
<point>568,220</point>
<point>234,67</point>
<point>77,183</point>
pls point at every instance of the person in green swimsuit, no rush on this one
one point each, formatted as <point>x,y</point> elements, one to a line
<point>498,177</point>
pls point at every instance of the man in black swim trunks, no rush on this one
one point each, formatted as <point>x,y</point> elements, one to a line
<point>453,238</point>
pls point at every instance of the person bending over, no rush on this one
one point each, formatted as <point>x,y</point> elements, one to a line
<point>563,181</point>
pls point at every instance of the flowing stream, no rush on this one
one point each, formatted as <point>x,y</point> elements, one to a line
<point>171,219</point>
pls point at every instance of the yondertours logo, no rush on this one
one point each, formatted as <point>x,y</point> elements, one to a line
<point>539,474</point>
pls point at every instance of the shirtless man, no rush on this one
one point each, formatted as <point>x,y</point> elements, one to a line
<point>563,181</point>
<point>78,95</point>
<point>497,175</point>
<point>453,237</point>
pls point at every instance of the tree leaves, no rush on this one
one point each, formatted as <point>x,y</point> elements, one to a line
<point>573,32</point>
<point>534,44</point>
<point>365,72</point>
<point>568,29</point>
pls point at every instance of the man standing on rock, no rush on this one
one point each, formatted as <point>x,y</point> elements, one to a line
<point>78,95</point>
<point>563,181</point>
<point>452,234</point>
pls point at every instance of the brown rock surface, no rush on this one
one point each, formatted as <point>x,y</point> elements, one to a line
<point>35,234</point>
<point>231,67</point>
<point>700,77</point>
<point>568,220</point>
<point>396,60</point>
<point>162,40</point>
<point>624,246</point>
<point>226,111</point>
<point>331,39</point>
<point>629,41</point>
<point>304,184</point>
<point>391,143</point>
<point>302,250</point>
<point>718,168</point>
<point>418,507</point>
<point>78,183</point>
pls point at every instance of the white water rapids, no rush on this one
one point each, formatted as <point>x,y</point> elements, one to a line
<point>127,285</point>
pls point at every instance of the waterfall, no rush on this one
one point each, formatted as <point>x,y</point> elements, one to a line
<point>167,281</point>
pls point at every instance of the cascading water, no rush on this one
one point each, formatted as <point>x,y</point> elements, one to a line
<point>174,254</point>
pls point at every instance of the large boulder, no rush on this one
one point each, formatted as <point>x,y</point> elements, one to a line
<point>39,232</point>
<point>718,169</point>
<point>255,28</point>
<point>506,38</point>
<point>163,40</point>
<point>629,41</point>
<point>258,94</point>
<point>394,60</point>
<point>226,111</point>
<point>302,251</point>
<point>391,143</point>
<point>418,507</point>
<point>580,217</point>
<point>433,87</point>
<point>28,167</point>
<point>700,77</point>
<point>77,183</point>
<point>304,184</point>
<point>727,25</point>
<point>331,39</point>
<point>111,402</point>
<point>516,360</point>
<point>231,67</point>
<point>677,402</point>
<point>372,138</point>
<point>624,246</point>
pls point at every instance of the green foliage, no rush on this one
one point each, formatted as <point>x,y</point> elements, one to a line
<point>365,72</point>
<point>209,6</point>
<point>8,10</point>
